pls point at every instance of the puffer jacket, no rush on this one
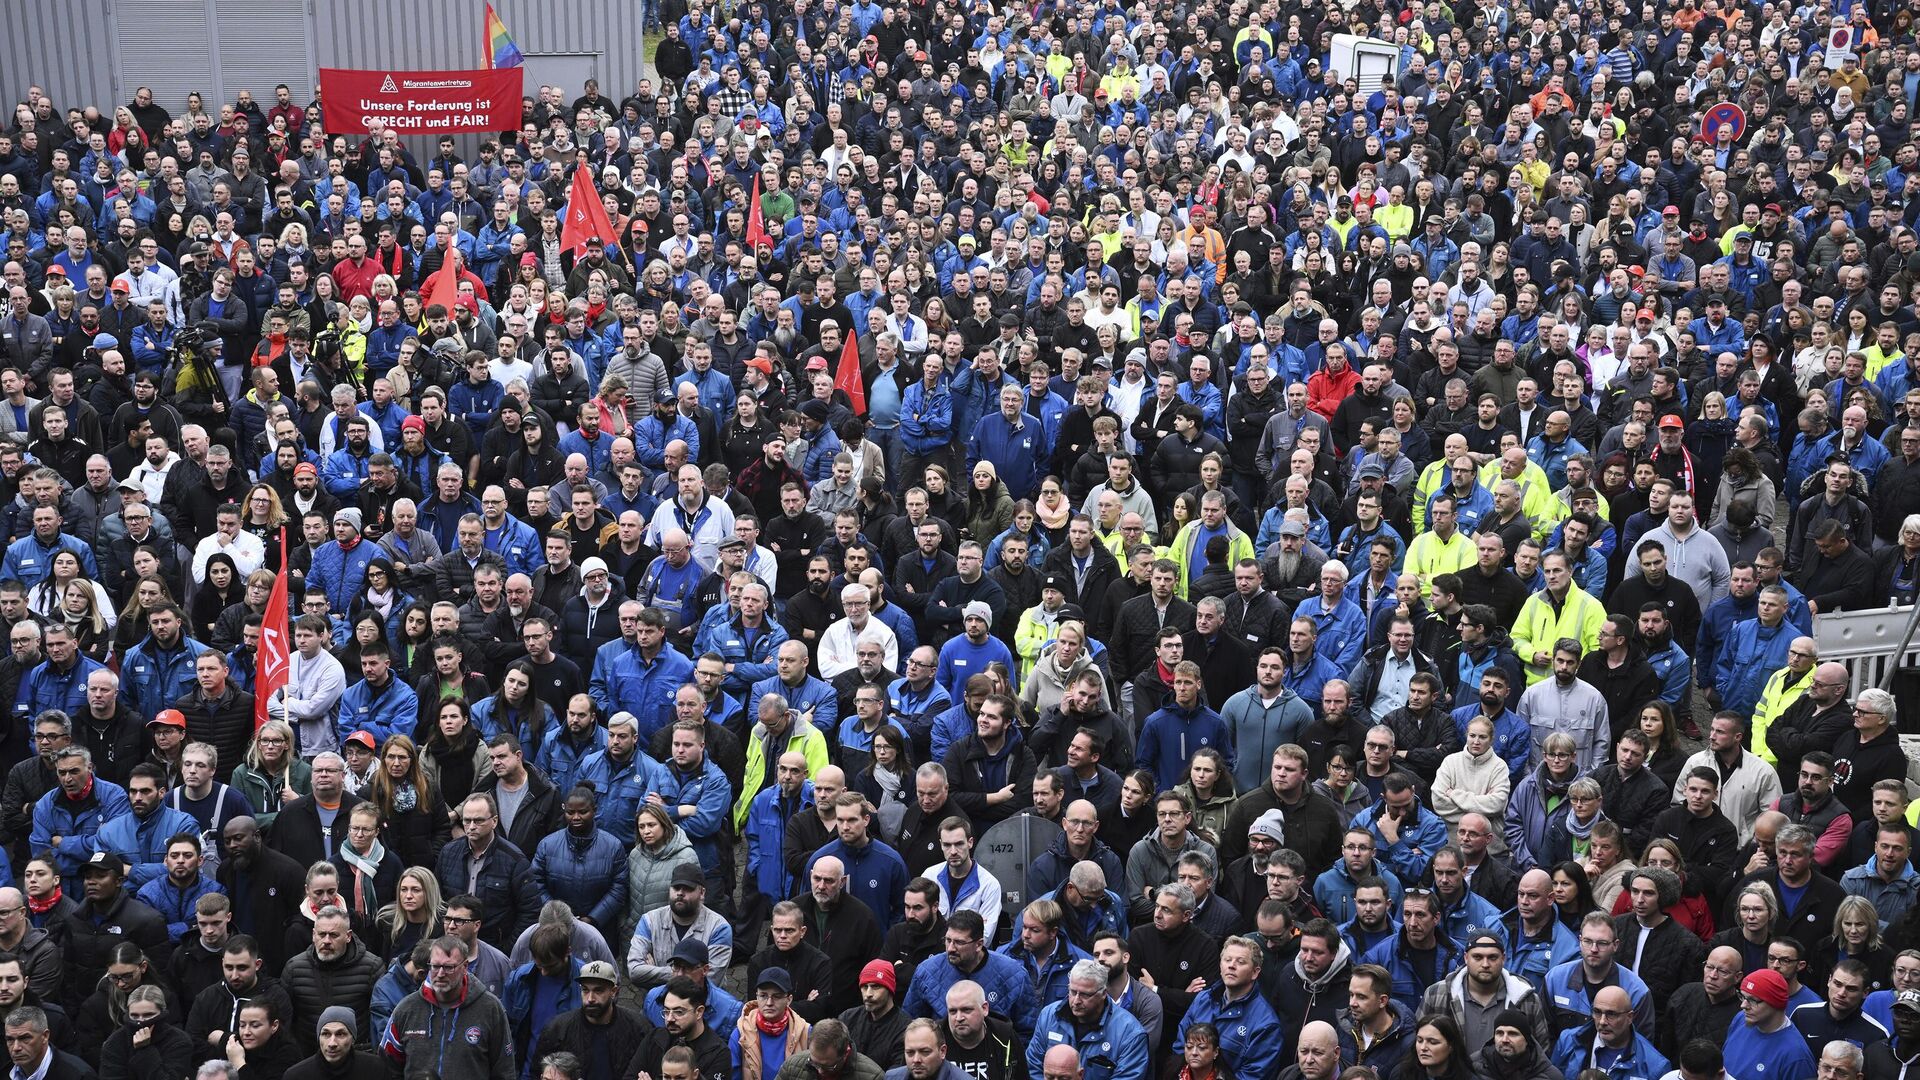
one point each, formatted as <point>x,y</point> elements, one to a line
<point>314,984</point>
<point>649,873</point>
<point>585,872</point>
<point>78,825</point>
<point>342,573</point>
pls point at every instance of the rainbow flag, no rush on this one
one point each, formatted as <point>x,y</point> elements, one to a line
<point>501,51</point>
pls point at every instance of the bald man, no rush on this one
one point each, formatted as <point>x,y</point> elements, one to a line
<point>1061,1063</point>
<point>769,880</point>
<point>1609,1042</point>
<point>1540,940</point>
<point>1702,1010</point>
<point>39,956</point>
<point>1317,1057</point>
<point>1811,714</point>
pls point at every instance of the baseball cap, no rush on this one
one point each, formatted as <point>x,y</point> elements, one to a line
<point>1673,422</point>
<point>169,718</point>
<point>777,978</point>
<point>818,363</point>
<point>305,468</point>
<point>120,286</point>
<point>1907,999</point>
<point>761,364</point>
<point>102,861</point>
<point>1671,211</point>
<point>363,738</point>
<point>687,874</point>
<point>691,951</point>
<point>1484,940</point>
<point>601,971</point>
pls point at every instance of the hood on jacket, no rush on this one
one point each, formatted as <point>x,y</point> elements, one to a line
<point>1342,957</point>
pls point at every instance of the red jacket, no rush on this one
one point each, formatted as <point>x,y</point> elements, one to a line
<point>1325,390</point>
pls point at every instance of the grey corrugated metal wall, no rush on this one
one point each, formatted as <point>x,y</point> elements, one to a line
<point>94,52</point>
<point>67,48</point>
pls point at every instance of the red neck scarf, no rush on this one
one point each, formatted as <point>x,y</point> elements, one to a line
<point>41,907</point>
<point>768,1027</point>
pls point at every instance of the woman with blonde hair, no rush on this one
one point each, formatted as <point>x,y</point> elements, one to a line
<point>1060,663</point>
<point>414,916</point>
<point>1755,911</point>
<point>273,774</point>
<point>1856,936</point>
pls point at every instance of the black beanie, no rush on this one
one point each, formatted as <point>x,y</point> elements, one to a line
<point>1516,1019</point>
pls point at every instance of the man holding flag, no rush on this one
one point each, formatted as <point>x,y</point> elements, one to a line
<point>302,687</point>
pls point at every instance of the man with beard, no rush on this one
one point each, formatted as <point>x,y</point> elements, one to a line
<point>1514,1052</point>
<point>601,1032</point>
<point>877,1023</point>
<point>1482,991</point>
<point>1654,585</point>
<point>1313,986</point>
<point>266,887</point>
<point>1816,718</point>
<point>1811,804</point>
<point>450,998</point>
<point>335,970</point>
<point>847,930</point>
<point>1423,731</point>
<point>214,1012</point>
<point>920,933</point>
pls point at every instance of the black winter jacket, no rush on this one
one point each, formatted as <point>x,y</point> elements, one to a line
<point>315,984</point>
<point>93,930</point>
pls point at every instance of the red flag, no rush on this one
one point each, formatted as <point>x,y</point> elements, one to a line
<point>443,285</point>
<point>846,377</point>
<point>274,661</point>
<point>756,228</point>
<point>585,216</point>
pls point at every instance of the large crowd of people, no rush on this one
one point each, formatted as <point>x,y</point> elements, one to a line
<point>1372,536</point>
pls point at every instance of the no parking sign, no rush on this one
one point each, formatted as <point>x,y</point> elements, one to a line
<point>1724,115</point>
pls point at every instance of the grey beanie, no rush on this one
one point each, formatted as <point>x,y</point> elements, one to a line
<point>337,1014</point>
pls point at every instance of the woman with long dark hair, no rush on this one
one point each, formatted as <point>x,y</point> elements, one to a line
<point>415,814</point>
<point>1439,1052</point>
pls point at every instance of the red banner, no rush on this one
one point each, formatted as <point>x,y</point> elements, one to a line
<point>273,661</point>
<point>421,102</point>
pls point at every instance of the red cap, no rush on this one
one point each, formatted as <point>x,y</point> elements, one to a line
<point>305,468</point>
<point>1674,210</point>
<point>761,364</point>
<point>818,363</point>
<point>169,718</point>
<point>364,739</point>
<point>1773,208</point>
<point>1673,422</point>
<point>120,286</point>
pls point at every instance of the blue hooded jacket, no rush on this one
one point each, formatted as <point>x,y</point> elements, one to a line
<point>78,826</point>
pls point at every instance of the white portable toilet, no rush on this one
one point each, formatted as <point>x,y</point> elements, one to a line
<point>1369,61</point>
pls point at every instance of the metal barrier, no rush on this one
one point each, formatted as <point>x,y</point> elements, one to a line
<point>1867,643</point>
